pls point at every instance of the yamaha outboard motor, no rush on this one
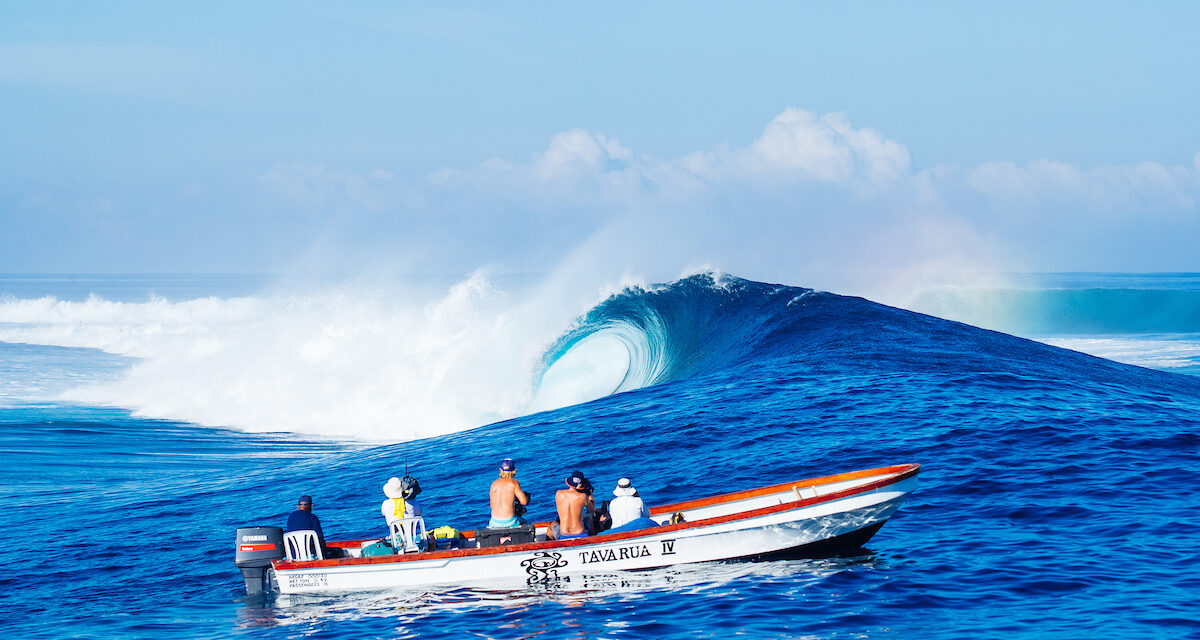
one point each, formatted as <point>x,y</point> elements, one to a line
<point>256,548</point>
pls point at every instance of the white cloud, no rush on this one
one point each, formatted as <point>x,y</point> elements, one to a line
<point>804,160</point>
<point>577,151</point>
<point>812,194</point>
<point>797,145</point>
<point>796,148</point>
<point>1107,189</point>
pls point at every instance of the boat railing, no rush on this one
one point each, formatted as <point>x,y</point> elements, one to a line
<point>779,495</point>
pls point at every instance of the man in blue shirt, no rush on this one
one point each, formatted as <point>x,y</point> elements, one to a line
<point>303,518</point>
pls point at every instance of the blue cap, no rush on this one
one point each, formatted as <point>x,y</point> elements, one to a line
<point>576,479</point>
<point>508,465</point>
<point>304,500</point>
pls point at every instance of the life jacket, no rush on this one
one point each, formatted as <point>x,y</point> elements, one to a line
<point>398,507</point>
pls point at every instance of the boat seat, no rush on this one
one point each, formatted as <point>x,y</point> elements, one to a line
<point>302,545</point>
<point>408,534</point>
<point>803,493</point>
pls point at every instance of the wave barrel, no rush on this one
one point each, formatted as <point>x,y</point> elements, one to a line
<point>256,548</point>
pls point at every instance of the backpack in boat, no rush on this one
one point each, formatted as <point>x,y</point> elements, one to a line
<point>380,548</point>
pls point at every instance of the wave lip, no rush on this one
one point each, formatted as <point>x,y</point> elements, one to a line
<point>596,360</point>
<point>696,325</point>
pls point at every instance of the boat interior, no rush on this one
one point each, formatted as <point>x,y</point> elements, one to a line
<point>409,535</point>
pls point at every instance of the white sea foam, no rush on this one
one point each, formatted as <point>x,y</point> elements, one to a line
<point>1170,352</point>
<point>354,360</point>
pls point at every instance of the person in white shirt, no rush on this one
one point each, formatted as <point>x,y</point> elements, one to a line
<point>627,506</point>
<point>399,503</point>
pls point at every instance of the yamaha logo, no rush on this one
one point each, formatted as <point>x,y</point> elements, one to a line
<point>253,538</point>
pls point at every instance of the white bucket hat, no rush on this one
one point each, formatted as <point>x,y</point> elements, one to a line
<point>624,488</point>
<point>394,488</point>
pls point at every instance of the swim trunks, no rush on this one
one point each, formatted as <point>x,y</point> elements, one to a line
<point>505,524</point>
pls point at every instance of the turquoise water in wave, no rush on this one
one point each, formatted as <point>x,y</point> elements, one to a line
<point>1057,498</point>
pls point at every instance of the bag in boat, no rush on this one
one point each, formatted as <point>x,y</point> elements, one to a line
<point>445,537</point>
<point>381,548</point>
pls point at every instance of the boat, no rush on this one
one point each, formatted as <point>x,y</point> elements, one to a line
<point>817,517</point>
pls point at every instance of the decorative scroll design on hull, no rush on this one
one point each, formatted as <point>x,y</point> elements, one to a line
<point>543,568</point>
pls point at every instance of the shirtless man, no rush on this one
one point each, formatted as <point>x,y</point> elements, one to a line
<point>572,503</point>
<point>505,491</point>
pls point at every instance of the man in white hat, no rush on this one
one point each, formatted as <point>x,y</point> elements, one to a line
<point>399,503</point>
<point>627,506</point>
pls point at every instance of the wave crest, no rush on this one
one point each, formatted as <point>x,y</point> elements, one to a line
<point>693,326</point>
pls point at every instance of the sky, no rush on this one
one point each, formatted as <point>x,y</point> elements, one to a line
<point>817,144</point>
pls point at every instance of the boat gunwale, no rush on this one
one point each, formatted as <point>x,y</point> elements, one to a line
<point>891,475</point>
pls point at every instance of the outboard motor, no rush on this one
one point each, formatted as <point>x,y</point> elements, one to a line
<point>256,548</point>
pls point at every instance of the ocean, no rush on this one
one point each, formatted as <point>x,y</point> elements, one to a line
<point>143,418</point>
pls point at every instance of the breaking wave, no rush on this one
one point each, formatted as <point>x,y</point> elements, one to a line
<point>373,363</point>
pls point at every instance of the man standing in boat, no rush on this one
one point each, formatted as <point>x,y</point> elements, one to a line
<point>573,502</point>
<point>506,493</point>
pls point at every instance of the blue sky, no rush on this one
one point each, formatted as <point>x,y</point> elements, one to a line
<point>782,141</point>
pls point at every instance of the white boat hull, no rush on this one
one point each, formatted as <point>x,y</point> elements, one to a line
<point>782,522</point>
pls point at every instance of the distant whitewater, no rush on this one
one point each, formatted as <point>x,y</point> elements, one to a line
<point>344,359</point>
<point>1151,320</point>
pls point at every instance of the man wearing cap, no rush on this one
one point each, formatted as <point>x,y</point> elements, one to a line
<point>573,502</point>
<point>505,494</point>
<point>303,518</point>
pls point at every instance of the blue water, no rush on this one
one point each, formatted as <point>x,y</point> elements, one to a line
<point>1058,495</point>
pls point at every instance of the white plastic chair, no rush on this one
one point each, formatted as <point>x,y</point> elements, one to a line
<point>302,545</point>
<point>408,534</point>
